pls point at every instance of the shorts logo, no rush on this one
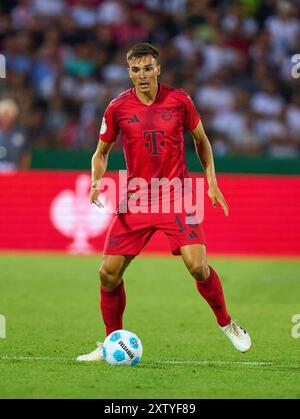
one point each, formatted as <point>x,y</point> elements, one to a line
<point>192,235</point>
<point>103,127</point>
<point>166,114</point>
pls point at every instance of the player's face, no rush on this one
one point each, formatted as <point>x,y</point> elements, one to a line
<point>143,73</point>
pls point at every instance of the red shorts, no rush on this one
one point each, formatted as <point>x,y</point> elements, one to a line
<point>129,233</point>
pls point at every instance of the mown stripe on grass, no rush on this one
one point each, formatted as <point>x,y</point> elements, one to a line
<point>158,362</point>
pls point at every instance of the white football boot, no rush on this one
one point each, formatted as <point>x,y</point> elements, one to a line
<point>96,355</point>
<point>238,336</point>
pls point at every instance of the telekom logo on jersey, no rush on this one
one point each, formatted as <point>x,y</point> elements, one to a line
<point>160,195</point>
<point>156,139</point>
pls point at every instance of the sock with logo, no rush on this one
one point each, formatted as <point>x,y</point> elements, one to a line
<point>212,291</point>
<point>112,303</point>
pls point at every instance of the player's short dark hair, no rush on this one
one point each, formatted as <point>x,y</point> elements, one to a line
<point>140,50</point>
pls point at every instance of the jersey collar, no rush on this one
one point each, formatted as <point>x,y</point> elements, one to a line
<point>157,97</point>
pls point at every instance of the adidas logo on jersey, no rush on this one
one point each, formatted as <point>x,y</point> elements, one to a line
<point>133,119</point>
<point>192,235</point>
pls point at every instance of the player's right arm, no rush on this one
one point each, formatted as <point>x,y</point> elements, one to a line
<point>108,133</point>
<point>99,166</point>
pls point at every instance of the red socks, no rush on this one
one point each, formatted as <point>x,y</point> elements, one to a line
<point>112,303</point>
<point>211,290</point>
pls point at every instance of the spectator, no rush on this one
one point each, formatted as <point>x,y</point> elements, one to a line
<point>45,71</point>
<point>22,15</point>
<point>14,147</point>
<point>215,95</point>
<point>65,62</point>
<point>83,13</point>
<point>110,12</point>
<point>293,115</point>
<point>267,101</point>
<point>283,27</point>
<point>48,8</point>
<point>217,55</point>
<point>167,6</point>
<point>244,140</point>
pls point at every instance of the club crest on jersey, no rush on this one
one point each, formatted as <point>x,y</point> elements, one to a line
<point>166,114</point>
<point>113,242</point>
<point>103,127</point>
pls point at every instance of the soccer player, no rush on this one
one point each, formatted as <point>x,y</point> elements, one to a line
<point>152,118</point>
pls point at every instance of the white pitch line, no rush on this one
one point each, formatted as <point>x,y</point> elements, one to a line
<point>34,358</point>
<point>166,362</point>
<point>206,362</point>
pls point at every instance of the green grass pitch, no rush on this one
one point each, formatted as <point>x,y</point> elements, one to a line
<point>51,307</point>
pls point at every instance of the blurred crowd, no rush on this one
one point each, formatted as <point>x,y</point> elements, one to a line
<point>66,59</point>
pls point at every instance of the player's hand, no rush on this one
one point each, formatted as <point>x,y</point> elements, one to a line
<point>94,195</point>
<point>216,197</point>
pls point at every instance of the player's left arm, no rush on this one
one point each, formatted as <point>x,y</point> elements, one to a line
<point>205,155</point>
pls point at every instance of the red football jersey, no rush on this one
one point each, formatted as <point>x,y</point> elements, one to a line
<point>153,135</point>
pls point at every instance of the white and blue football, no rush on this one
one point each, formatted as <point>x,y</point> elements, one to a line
<point>122,348</point>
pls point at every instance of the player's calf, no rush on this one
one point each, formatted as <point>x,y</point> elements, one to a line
<point>212,291</point>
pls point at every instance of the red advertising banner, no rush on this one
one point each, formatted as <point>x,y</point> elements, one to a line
<point>50,210</point>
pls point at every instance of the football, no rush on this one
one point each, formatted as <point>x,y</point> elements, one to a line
<point>122,348</point>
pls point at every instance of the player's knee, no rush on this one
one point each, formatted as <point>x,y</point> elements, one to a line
<point>200,270</point>
<point>108,278</point>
